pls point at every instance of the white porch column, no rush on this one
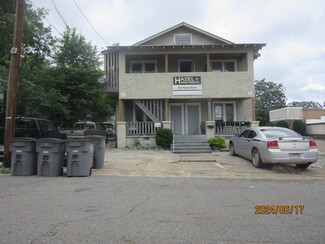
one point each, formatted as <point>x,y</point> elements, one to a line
<point>255,123</point>
<point>209,129</point>
<point>121,134</point>
<point>209,110</point>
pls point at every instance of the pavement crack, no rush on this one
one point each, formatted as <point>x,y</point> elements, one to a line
<point>139,204</point>
<point>53,231</point>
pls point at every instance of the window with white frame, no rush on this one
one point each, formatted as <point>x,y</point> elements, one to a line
<point>183,39</point>
<point>143,66</point>
<point>224,111</point>
<point>223,66</point>
<point>185,65</point>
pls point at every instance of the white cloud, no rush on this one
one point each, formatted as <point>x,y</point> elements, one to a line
<point>111,18</point>
<point>313,86</point>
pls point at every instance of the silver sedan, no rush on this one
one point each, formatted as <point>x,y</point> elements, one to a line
<point>274,145</point>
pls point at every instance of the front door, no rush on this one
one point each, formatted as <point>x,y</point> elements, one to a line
<point>193,119</point>
<point>176,116</point>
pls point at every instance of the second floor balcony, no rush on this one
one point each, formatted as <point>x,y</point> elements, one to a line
<point>161,85</point>
<point>151,75</point>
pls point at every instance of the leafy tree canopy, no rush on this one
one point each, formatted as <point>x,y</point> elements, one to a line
<point>305,104</point>
<point>76,70</point>
<point>58,78</point>
<point>37,39</point>
<point>269,96</point>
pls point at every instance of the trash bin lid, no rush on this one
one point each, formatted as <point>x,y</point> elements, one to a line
<point>22,139</point>
<point>55,140</point>
<point>95,137</point>
<point>77,139</point>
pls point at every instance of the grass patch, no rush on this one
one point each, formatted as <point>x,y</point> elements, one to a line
<point>285,169</point>
<point>175,162</point>
<point>4,170</point>
<point>321,155</point>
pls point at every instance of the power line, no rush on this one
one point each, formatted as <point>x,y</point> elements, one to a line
<point>48,20</point>
<point>53,26</point>
<point>89,23</point>
<point>59,13</point>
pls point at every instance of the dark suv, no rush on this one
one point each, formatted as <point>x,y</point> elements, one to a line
<point>110,129</point>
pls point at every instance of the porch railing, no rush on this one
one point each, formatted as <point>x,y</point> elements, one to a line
<point>140,128</point>
<point>231,127</point>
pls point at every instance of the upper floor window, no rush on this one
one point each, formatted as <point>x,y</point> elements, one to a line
<point>183,39</point>
<point>185,65</point>
<point>143,67</point>
<point>223,66</point>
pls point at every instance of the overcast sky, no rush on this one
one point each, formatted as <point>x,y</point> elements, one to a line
<point>294,31</point>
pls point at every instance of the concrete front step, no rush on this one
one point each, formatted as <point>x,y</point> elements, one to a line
<point>190,143</point>
<point>191,149</point>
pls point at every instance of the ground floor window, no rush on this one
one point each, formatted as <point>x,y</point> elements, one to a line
<point>224,111</point>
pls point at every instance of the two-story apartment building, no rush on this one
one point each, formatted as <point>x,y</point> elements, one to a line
<point>183,78</point>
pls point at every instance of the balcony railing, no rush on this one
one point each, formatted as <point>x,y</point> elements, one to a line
<point>235,85</point>
<point>231,127</point>
<point>140,128</point>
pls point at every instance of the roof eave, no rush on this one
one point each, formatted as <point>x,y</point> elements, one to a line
<point>180,25</point>
<point>255,46</point>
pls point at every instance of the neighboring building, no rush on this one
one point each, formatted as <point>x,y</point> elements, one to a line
<point>182,78</point>
<point>314,118</point>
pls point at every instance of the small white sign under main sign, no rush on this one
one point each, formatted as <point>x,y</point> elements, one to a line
<point>187,85</point>
<point>157,125</point>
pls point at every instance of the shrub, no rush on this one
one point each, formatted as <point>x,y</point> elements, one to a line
<point>300,127</point>
<point>164,137</point>
<point>4,170</point>
<point>269,124</point>
<point>282,123</point>
<point>136,142</point>
<point>217,143</point>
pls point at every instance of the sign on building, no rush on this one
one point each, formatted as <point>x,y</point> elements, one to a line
<point>187,85</point>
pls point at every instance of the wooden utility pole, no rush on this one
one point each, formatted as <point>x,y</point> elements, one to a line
<point>13,80</point>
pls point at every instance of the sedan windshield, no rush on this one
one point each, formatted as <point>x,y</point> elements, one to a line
<point>279,132</point>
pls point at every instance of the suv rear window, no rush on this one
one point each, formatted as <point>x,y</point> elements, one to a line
<point>82,126</point>
<point>279,132</point>
<point>108,126</point>
<point>26,123</point>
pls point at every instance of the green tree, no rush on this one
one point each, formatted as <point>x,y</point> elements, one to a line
<point>7,19</point>
<point>269,96</point>
<point>37,39</point>
<point>77,68</point>
<point>305,104</point>
<point>37,44</point>
<point>64,90</point>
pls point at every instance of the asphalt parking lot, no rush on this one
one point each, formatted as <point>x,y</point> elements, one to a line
<point>163,163</point>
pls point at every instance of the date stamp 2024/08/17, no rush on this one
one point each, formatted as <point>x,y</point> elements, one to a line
<point>279,209</point>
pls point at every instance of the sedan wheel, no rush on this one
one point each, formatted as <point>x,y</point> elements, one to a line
<point>257,161</point>
<point>232,150</point>
<point>303,166</point>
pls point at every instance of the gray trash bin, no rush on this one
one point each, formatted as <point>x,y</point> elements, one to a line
<point>80,153</point>
<point>99,153</point>
<point>23,156</point>
<point>50,159</point>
